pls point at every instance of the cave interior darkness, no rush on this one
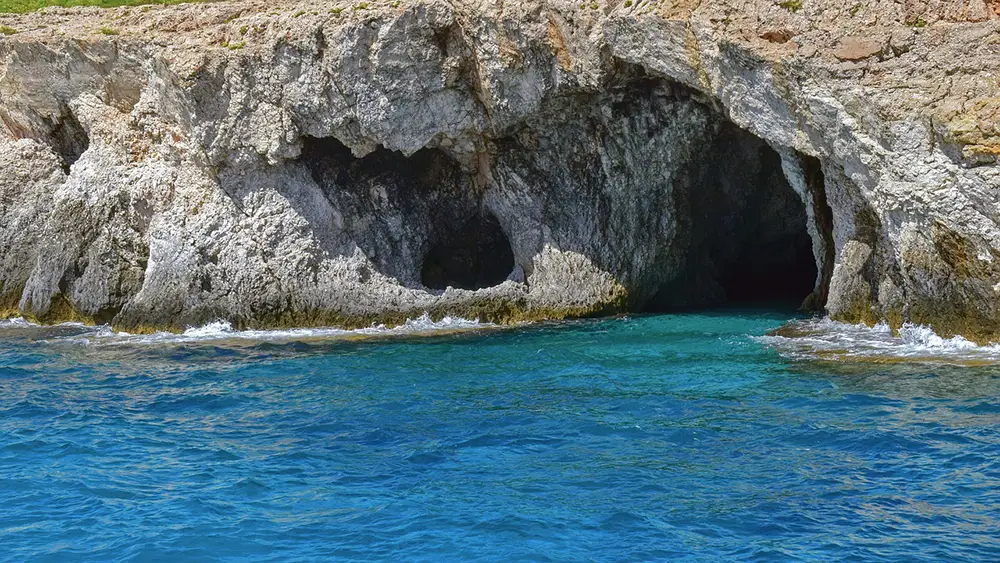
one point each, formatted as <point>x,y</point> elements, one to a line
<point>772,259</point>
<point>68,139</point>
<point>474,256</point>
<point>745,231</point>
<point>741,227</point>
<point>427,193</point>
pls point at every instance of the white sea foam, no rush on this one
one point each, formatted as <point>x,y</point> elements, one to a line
<point>830,340</point>
<point>16,322</point>
<point>808,339</point>
<point>222,330</point>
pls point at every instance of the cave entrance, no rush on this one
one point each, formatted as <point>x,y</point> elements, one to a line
<point>475,256</point>
<point>68,138</point>
<point>389,205</point>
<point>743,230</point>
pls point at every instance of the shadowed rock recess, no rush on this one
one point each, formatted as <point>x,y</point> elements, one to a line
<point>300,164</point>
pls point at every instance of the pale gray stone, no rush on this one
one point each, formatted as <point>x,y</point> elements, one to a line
<point>276,163</point>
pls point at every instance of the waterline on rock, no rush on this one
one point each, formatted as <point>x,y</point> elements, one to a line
<point>78,333</point>
<point>815,338</point>
<point>824,339</point>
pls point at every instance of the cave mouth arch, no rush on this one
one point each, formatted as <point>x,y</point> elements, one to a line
<point>477,255</point>
<point>743,232</point>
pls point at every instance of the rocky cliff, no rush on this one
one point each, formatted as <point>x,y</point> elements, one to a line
<point>318,163</point>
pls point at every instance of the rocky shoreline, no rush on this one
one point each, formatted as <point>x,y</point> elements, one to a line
<point>323,163</point>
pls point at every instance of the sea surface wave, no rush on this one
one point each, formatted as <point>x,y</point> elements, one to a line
<point>695,437</point>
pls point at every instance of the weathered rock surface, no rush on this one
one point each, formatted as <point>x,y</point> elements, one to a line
<point>307,163</point>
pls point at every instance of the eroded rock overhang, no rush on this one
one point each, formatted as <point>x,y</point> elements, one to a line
<point>344,169</point>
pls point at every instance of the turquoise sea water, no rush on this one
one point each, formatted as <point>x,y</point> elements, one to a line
<point>650,438</point>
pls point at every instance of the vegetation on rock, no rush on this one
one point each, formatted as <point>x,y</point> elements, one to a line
<point>8,6</point>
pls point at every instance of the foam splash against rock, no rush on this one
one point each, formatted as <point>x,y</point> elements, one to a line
<point>77,333</point>
<point>824,339</point>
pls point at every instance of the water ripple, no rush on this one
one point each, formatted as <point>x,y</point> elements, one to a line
<point>685,437</point>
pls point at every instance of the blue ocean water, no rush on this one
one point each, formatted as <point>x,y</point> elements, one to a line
<point>648,438</point>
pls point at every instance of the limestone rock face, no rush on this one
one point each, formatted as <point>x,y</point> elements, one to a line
<point>317,163</point>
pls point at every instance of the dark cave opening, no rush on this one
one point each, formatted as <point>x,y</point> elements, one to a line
<point>744,232</point>
<point>69,139</point>
<point>778,269</point>
<point>392,206</point>
<point>475,256</point>
<point>418,218</point>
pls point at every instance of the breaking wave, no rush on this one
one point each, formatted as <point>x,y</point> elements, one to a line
<point>824,339</point>
<point>79,333</point>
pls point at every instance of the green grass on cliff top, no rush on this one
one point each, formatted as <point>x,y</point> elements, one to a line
<point>31,5</point>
